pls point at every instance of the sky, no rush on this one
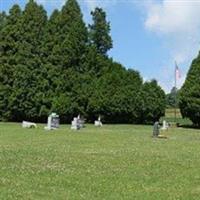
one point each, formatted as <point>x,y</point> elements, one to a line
<point>148,35</point>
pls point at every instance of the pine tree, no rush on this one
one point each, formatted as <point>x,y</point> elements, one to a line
<point>190,93</point>
<point>29,84</point>
<point>151,102</point>
<point>99,31</point>
<point>9,40</point>
<point>2,20</point>
<point>173,98</point>
<point>64,47</point>
<point>115,94</point>
<point>73,35</point>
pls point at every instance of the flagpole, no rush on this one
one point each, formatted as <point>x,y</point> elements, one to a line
<point>175,98</point>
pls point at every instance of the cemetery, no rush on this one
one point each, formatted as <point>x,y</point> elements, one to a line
<point>97,161</point>
<point>76,123</point>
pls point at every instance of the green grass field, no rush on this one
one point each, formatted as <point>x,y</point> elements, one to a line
<point>112,162</point>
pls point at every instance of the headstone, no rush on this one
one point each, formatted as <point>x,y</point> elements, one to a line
<point>165,125</point>
<point>26,124</point>
<point>53,122</point>
<point>156,130</point>
<point>75,124</point>
<point>98,122</point>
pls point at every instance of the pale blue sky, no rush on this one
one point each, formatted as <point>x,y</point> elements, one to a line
<point>148,35</point>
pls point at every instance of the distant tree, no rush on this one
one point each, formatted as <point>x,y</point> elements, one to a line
<point>100,31</point>
<point>172,99</point>
<point>152,102</point>
<point>190,93</point>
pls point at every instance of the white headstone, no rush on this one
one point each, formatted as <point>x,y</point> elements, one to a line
<point>98,122</point>
<point>26,124</point>
<point>75,124</point>
<point>165,125</point>
<point>52,122</point>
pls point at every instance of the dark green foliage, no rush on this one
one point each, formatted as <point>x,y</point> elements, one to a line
<point>73,35</point>
<point>172,99</point>
<point>151,102</point>
<point>58,65</point>
<point>115,95</point>
<point>9,41</point>
<point>99,31</point>
<point>2,20</point>
<point>190,93</point>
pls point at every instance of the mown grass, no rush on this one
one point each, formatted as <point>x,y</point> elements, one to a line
<point>112,162</point>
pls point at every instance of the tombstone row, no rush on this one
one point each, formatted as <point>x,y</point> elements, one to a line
<point>53,123</point>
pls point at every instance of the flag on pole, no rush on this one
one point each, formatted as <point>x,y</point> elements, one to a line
<point>177,72</point>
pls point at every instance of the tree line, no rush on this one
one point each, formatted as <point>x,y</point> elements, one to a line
<point>60,64</point>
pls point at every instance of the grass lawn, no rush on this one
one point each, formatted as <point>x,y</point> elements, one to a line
<point>112,162</point>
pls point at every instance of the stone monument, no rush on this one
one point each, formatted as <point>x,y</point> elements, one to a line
<point>76,124</point>
<point>53,122</point>
<point>26,124</point>
<point>98,122</point>
<point>165,126</point>
<point>156,130</point>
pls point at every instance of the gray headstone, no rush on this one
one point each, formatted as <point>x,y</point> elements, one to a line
<point>53,122</point>
<point>156,129</point>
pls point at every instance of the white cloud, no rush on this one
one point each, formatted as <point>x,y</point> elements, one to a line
<point>170,17</point>
<point>177,23</point>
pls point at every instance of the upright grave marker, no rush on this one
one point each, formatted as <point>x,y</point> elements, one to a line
<point>98,122</point>
<point>165,126</point>
<point>156,130</point>
<point>53,122</point>
<point>77,123</point>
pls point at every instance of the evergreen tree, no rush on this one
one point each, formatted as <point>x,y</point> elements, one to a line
<point>114,95</point>
<point>173,98</point>
<point>51,63</point>
<point>9,40</point>
<point>190,93</point>
<point>99,31</point>
<point>151,102</point>
<point>73,36</point>
<point>2,20</point>
<point>29,84</point>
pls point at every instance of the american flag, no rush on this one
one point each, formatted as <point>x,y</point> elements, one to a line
<point>177,72</point>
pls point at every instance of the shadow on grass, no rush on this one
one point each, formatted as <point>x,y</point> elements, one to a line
<point>188,126</point>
